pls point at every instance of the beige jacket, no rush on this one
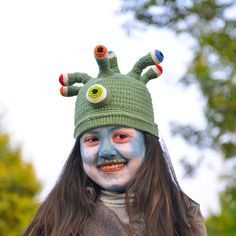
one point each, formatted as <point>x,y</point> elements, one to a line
<point>106,223</point>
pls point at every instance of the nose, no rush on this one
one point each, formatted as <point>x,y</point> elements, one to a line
<point>106,150</point>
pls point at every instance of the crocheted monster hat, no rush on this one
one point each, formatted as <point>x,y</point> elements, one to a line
<point>113,98</point>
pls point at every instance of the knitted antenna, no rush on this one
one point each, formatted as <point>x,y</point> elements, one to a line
<point>113,98</point>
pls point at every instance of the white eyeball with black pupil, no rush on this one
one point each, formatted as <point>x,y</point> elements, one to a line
<point>96,93</point>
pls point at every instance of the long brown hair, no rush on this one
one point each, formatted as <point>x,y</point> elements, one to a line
<point>158,195</point>
<point>158,198</point>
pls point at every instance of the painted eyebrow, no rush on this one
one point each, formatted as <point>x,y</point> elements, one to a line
<point>116,128</point>
<point>112,129</point>
<point>124,129</point>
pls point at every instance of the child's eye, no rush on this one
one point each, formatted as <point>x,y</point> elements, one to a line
<point>91,140</point>
<point>121,138</point>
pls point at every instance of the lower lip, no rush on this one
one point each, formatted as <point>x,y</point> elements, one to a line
<point>112,168</point>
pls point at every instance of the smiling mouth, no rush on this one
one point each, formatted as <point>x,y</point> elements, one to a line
<point>111,166</point>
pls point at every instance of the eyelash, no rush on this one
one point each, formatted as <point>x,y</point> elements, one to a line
<point>121,135</point>
<point>91,139</point>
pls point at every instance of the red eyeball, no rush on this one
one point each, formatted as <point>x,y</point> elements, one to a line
<point>159,68</point>
<point>63,79</point>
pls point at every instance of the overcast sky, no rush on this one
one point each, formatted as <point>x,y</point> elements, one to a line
<point>42,39</point>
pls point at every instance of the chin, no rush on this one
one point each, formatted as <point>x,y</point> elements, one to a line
<point>115,188</point>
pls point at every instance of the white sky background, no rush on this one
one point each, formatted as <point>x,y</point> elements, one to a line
<point>42,39</point>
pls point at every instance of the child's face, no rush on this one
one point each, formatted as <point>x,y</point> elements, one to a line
<point>112,155</point>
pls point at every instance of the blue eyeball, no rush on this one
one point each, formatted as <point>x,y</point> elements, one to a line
<point>157,56</point>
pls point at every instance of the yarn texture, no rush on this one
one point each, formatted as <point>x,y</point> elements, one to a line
<point>113,98</point>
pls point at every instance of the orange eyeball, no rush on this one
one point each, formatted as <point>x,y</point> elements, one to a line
<point>63,91</point>
<point>100,51</point>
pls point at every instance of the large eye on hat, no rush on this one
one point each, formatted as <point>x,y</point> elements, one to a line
<point>96,93</point>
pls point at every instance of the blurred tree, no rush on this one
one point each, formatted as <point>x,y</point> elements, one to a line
<point>211,25</point>
<point>18,189</point>
<point>224,223</point>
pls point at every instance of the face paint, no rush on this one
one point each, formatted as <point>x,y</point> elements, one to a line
<point>112,155</point>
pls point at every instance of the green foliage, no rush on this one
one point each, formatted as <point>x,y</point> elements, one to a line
<point>224,223</point>
<point>18,189</point>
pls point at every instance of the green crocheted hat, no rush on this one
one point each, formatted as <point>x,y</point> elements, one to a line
<point>113,98</point>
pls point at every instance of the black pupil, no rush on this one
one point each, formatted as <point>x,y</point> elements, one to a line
<point>94,91</point>
<point>100,49</point>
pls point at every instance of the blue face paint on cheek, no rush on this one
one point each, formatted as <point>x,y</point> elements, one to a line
<point>138,145</point>
<point>88,155</point>
<point>135,148</point>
